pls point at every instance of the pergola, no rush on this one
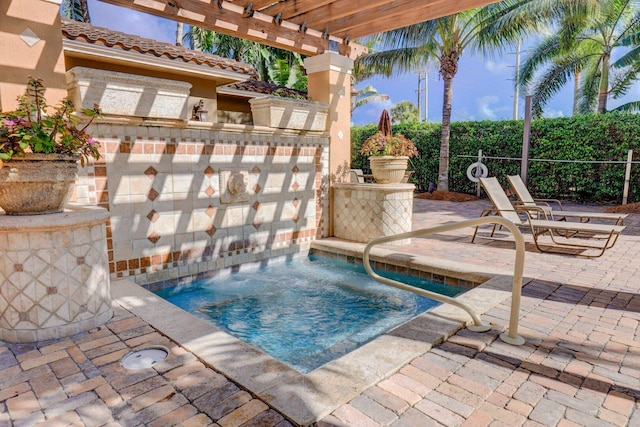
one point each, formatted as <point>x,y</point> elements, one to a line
<point>310,27</point>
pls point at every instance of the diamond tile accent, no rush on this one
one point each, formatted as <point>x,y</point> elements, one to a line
<point>295,169</point>
<point>154,237</point>
<point>211,230</point>
<point>153,216</point>
<point>210,211</point>
<point>18,267</point>
<point>151,172</point>
<point>210,191</point>
<point>257,188</point>
<point>296,202</point>
<point>295,218</point>
<point>52,290</point>
<point>256,205</point>
<point>29,37</point>
<point>257,225</point>
<point>153,194</point>
<point>295,186</point>
<point>255,169</point>
<point>209,172</point>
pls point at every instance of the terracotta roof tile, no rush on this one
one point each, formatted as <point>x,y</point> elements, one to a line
<point>264,87</point>
<point>74,30</point>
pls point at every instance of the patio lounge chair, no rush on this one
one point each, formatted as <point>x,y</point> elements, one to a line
<point>563,234</point>
<point>528,201</point>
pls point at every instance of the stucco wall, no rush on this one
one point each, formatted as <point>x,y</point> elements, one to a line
<point>172,213</point>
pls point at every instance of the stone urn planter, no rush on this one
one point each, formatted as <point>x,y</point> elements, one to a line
<point>289,113</point>
<point>388,169</point>
<point>36,184</point>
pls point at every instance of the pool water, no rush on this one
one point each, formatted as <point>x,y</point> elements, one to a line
<point>305,312</point>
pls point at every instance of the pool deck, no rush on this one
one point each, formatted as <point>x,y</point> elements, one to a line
<point>580,365</point>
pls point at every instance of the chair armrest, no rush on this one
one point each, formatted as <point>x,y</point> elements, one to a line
<point>546,201</point>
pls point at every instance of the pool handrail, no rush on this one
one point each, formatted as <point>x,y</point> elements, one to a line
<point>511,336</point>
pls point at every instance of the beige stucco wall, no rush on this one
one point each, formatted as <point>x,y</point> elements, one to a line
<point>37,53</point>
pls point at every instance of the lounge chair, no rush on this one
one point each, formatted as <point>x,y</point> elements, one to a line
<point>563,234</point>
<point>528,201</point>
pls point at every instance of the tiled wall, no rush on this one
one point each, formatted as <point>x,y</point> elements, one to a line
<point>172,210</point>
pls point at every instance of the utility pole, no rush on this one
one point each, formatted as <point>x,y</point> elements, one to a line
<point>423,90</point>
<point>516,93</point>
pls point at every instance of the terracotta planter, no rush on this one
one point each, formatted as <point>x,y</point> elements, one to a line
<point>37,183</point>
<point>288,113</point>
<point>388,169</point>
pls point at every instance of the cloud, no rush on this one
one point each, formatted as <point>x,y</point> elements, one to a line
<point>553,113</point>
<point>498,68</point>
<point>484,107</point>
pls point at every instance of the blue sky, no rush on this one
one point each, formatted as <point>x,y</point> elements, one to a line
<point>482,89</point>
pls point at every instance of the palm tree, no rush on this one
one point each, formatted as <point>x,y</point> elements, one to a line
<point>78,10</point>
<point>583,49</point>
<point>405,112</point>
<point>366,95</point>
<point>444,40</point>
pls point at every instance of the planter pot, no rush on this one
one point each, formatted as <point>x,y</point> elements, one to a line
<point>287,113</point>
<point>37,183</point>
<point>388,169</point>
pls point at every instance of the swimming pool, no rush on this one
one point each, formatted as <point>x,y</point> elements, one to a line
<point>305,312</point>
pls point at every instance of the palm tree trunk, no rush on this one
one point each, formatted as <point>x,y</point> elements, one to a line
<point>603,92</point>
<point>179,31</point>
<point>448,69</point>
<point>85,11</point>
<point>576,91</point>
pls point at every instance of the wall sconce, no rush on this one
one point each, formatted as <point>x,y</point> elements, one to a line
<point>199,113</point>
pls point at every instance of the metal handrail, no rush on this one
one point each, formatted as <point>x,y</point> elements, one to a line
<point>511,336</point>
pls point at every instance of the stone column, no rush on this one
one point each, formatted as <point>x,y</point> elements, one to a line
<point>30,45</point>
<point>330,82</point>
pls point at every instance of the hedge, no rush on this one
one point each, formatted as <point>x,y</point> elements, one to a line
<point>603,137</point>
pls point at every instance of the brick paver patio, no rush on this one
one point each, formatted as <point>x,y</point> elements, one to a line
<point>579,367</point>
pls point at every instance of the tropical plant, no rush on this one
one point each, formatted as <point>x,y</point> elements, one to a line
<point>444,40</point>
<point>379,144</point>
<point>29,129</point>
<point>588,34</point>
<point>78,10</point>
<point>405,112</point>
<point>366,95</point>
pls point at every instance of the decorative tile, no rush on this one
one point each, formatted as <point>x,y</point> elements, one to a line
<point>256,205</point>
<point>210,191</point>
<point>209,172</point>
<point>295,186</point>
<point>211,230</point>
<point>29,37</point>
<point>154,237</point>
<point>153,216</point>
<point>295,218</point>
<point>296,202</point>
<point>295,169</point>
<point>152,195</point>
<point>210,211</point>
<point>257,225</point>
<point>255,170</point>
<point>151,172</point>
<point>257,188</point>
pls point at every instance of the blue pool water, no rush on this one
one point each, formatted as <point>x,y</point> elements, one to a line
<point>305,312</point>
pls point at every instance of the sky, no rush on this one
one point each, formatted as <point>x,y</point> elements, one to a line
<point>482,88</point>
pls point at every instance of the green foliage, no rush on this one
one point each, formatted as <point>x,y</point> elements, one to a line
<point>604,137</point>
<point>405,111</point>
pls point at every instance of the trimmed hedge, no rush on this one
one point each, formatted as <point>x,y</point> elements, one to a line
<point>602,137</point>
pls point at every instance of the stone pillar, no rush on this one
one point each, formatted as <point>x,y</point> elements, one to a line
<point>30,45</point>
<point>330,83</point>
<point>54,274</point>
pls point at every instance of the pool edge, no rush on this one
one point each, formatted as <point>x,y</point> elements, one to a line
<point>304,399</point>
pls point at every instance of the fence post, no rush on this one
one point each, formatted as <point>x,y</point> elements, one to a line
<point>478,172</point>
<point>627,178</point>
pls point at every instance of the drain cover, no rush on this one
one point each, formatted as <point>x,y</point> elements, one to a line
<point>145,358</point>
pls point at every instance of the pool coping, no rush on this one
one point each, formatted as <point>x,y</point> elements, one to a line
<point>306,398</point>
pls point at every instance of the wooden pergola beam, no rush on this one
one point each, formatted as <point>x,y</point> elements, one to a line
<point>309,27</point>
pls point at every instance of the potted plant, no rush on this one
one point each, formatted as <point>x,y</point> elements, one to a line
<point>389,156</point>
<point>39,153</point>
<point>289,109</point>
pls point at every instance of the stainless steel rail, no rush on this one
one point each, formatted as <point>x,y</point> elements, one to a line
<point>511,336</point>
